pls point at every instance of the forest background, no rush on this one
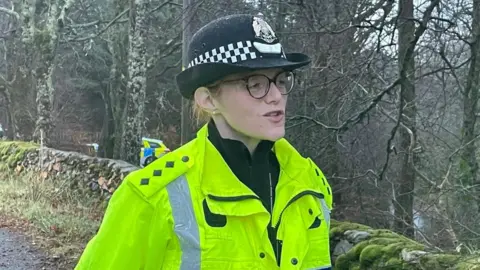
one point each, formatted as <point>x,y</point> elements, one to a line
<point>388,108</point>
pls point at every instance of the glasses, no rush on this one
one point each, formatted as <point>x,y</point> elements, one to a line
<point>258,85</point>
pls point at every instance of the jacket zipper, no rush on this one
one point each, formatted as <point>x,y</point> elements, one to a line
<point>298,196</point>
<point>233,198</point>
<point>245,197</point>
<point>271,215</point>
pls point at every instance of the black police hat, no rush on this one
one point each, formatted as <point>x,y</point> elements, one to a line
<point>233,44</point>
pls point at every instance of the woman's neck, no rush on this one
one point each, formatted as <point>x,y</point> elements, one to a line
<point>227,132</point>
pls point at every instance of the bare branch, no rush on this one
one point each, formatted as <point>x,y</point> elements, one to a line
<point>462,147</point>
<point>450,68</point>
<point>357,118</point>
<point>392,136</point>
<point>176,65</point>
<point>164,4</point>
<point>354,177</point>
<point>94,23</point>
<point>10,12</point>
<point>329,32</point>
<point>112,22</point>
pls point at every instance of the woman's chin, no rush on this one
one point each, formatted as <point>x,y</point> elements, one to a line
<point>274,134</point>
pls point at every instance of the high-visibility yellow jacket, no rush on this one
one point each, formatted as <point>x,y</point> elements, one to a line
<point>156,219</point>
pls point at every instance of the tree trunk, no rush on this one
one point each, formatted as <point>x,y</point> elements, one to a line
<point>108,129</point>
<point>11,73</point>
<point>186,124</point>
<point>406,184</point>
<point>137,84</point>
<point>115,94</point>
<point>12,129</point>
<point>468,160</point>
<point>43,125</point>
<point>46,41</point>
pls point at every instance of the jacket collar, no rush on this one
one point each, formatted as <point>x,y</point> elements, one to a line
<point>228,144</point>
<point>291,164</point>
<point>235,151</point>
<point>225,188</point>
<point>224,184</point>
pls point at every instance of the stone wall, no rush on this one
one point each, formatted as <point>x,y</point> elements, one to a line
<point>97,175</point>
<point>353,246</point>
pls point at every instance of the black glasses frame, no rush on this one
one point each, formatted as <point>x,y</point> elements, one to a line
<point>270,81</point>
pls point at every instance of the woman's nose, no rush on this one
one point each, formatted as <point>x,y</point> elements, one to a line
<point>274,94</point>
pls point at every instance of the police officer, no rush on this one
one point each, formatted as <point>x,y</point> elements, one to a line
<point>238,196</point>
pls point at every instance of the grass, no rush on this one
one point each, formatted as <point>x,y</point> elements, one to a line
<point>60,219</point>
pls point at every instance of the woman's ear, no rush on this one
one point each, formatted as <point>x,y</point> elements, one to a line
<point>204,99</point>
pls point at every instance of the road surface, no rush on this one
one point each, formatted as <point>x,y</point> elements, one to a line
<point>17,254</point>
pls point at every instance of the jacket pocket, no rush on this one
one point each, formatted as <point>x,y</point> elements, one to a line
<point>213,220</point>
<point>318,255</point>
<point>316,223</point>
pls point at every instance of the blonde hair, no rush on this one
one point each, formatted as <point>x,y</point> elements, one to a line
<point>201,115</point>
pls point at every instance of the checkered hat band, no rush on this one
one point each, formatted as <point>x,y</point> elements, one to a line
<point>231,53</point>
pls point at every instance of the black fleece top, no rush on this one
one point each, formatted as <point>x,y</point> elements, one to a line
<point>254,170</point>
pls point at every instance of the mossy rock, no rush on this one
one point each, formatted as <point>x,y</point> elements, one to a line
<point>339,228</point>
<point>385,249</point>
<point>13,152</point>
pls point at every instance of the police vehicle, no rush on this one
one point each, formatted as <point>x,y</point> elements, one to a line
<point>151,150</point>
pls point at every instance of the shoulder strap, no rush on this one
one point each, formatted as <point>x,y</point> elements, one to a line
<point>158,174</point>
<point>323,183</point>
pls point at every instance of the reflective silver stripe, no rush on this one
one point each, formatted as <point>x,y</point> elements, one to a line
<point>321,268</point>
<point>185,223</point>
<point>326,212</point>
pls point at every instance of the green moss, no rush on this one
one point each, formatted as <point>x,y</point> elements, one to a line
<point>369,255</point>
<point>357,249</point>
<point>339,228</point>
<point>384,241</point>
<point>440,261</point>
<point>3,166</point>
<point>350,260</point>
<point>12,152</point>
<point>346,262</point>
<point>395,249</point>
<point>394,263</point>
<point>383,250</point>
<point>472,263</point>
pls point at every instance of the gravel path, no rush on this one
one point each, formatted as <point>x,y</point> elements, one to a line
<point>17,254</point>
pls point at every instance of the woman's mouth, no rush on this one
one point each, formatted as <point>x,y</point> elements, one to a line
<point>275,116</point>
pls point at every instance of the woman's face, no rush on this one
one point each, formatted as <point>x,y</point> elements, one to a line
<point>261,118</point>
